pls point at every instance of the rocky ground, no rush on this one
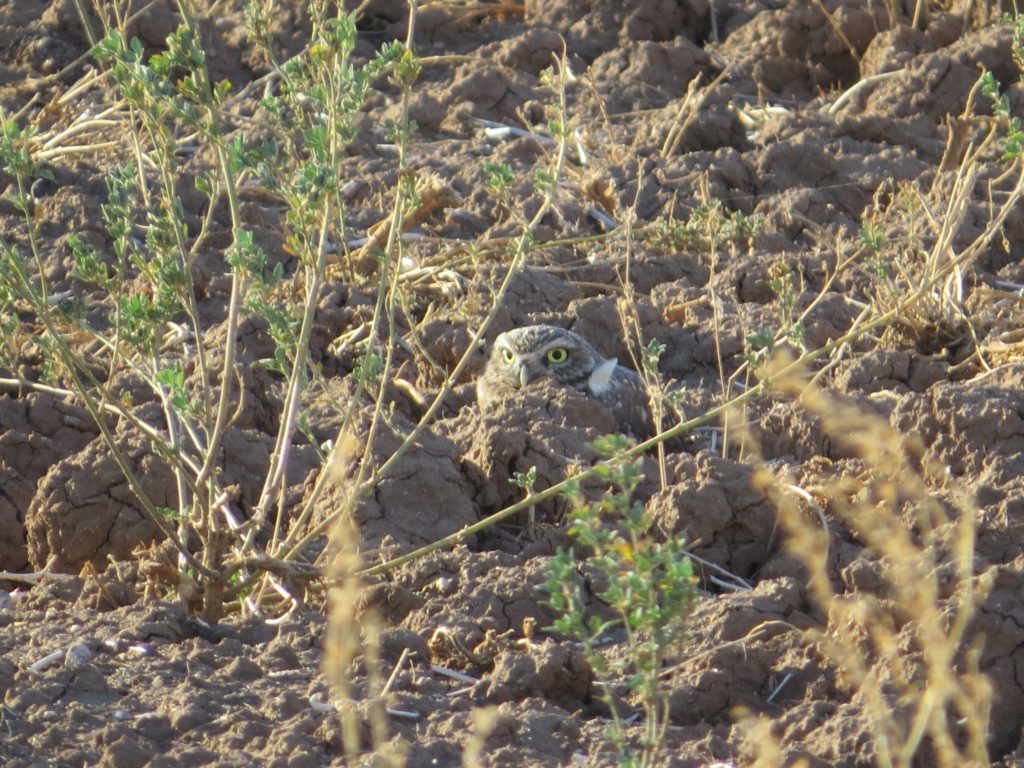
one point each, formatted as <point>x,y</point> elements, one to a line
<point>137,680</point>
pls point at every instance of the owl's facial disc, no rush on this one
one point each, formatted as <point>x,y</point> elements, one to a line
<point>528,355</point>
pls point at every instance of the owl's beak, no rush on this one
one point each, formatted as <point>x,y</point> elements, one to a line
<point>524,377</point>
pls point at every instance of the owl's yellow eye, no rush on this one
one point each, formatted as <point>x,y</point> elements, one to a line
<point>507,355</point>
<point>558,355</point>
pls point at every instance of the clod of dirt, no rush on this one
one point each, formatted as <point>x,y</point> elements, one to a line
<point>446,342</point>
<point>544,428</point>
<point>826,732</point>
<point>395,640</point>
<point>793,51</point>
<point>963,425</point>
<point>639,66</point>
<point>532,51</point>
<point>258,388</point>
<point>474,614</point>
<point>892,49</point>
<point>599,318</point>
<point>592,28</point>
<point>800,165</point>
<point>894,371</point>
<point>553,671</point>
<point>489,92</point>
<point>1001,623</point>
<point>35,431</point>
<point>84,509</point>
<point>424,496</point>
<point>712,500</point>
<point>787,430</point>
<point>733,665</point>
<point>390,602</point>
<point>523,733</point>
<point>684,129</point>
<point>937,84</point>
<point>999,495</point>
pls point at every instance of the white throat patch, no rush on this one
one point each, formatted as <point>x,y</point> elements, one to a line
<point>601,377</point>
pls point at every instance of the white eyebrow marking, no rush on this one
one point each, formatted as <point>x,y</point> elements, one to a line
<point>601,377</point>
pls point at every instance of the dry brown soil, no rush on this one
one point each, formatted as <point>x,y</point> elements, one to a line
<point>141,682</point>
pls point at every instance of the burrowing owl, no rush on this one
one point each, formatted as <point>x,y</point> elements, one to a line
<point>523,356</point>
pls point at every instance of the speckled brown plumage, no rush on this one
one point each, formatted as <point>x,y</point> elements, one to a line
<point>523,356</point>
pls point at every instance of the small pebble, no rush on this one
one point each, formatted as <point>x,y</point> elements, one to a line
<point>77,655</point>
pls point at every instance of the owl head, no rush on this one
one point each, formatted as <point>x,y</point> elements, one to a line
<point>523,356</point>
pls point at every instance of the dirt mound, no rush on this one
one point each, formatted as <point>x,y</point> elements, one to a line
<point>35,431</point>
